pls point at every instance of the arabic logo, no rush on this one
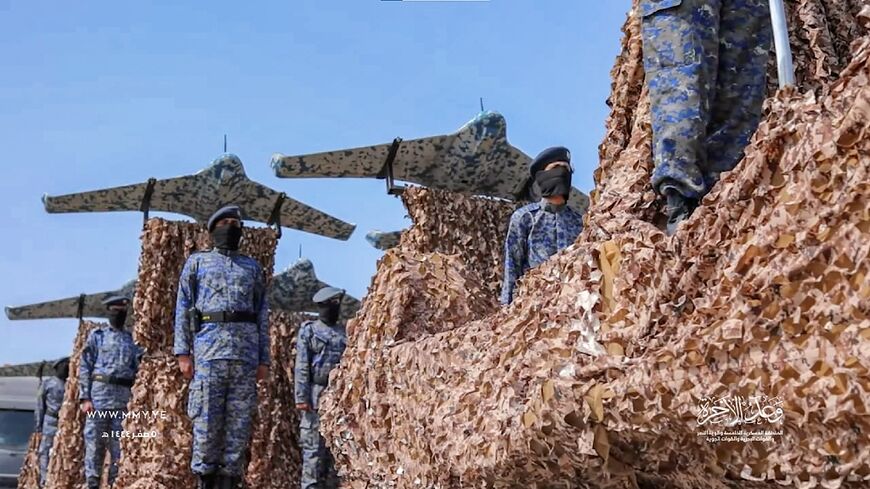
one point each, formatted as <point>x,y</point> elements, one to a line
<point>737,410</point>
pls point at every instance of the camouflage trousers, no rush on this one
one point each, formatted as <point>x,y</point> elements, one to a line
<point>102,429</point>
<point>49,429</point>
<point>223,396</point>
<point>706,66</point>
<point>318,466</point>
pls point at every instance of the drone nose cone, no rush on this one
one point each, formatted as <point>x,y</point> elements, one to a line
<point>228,165</point>
<point>304,266</point>
<point>228,160</point>
<point>491,125</point>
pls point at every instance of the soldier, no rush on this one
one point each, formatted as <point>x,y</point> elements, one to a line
<point>540,229</point>
<point>222,319</point>
<point>48,402</point>
<point>706,63</point>
<point>107,370</point>
<point>319,347</point>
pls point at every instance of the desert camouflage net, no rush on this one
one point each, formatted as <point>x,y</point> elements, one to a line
<point>821,33</point>
<point>163,461</point>
<point>66,467</point>
<point>28,476</point>
<point>276,460</point>
<point>449,232</point>
<point>763,291</point>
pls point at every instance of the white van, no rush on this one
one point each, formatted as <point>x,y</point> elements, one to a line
<point>17,406</point>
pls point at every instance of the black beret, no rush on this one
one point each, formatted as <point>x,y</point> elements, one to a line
<point>326,294</point>
<point>227,211</point>
<point>549,155</point>
<point>59,362</point>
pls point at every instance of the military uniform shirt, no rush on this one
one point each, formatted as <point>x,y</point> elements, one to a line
<point>108,351</point>
<point>49,399</point>
<point>535,234</point>
<point>316,340</point>
<point>225,282</point>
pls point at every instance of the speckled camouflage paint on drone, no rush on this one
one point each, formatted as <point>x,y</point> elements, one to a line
<point>68,307</point>
<point>293,289</point>
<point>384,240</point>
<point>199,195</point>
<point>477,160</point>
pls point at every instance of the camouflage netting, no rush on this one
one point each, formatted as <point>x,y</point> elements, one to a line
<point>164,461</point>
<point>28,476</point>
<point>763,291</point>
<point>66,467</point>
<point>450,232</point>
<point>276,460</point>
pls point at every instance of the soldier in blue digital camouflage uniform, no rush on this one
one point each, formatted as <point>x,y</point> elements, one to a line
<point>706,63</point>
<point>222,321</point>
<point>48,402</point>
<point>107,370</point>
<point>319,347</point>
<point>540,229</point>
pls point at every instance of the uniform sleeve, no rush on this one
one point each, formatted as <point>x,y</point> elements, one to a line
<point>183,342</point>
<point>263,322</point>
<point>578,224</point>
<point>302,372</point>
<point>40,407</point>
<point>137,358</point>
<point>86,366</point>
<point>514,256</point>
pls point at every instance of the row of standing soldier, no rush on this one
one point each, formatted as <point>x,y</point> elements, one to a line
<point>107,369</point>
<point>706,68</point>
<point>222,346</point>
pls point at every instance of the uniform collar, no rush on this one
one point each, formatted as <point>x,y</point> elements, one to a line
<point>225,252</point>
<point>554,208</point>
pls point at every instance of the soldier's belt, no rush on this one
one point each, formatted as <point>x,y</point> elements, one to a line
<point>228,317</point>
<point>111,379</point>
<point>53,414</point>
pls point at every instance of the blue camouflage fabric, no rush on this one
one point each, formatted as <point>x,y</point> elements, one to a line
<point>536,233</point>
<point>225,281</point>
<point>48,401</point>
<point>706,66</point>
<point>223,391</point>
<point>223,395</point>
<point>108,351</point>
<point>319,348</point>
<point>102,431</point>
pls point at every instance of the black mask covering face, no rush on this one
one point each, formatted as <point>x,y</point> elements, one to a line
<point>227,237</point>
<point>62,371</point>
<point>117,318</point>
<point>556,181</point>
<point>329,311</point>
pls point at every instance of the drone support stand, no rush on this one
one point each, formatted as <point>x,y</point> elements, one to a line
<point>145,206</point>
<point>275,217</point>
<point>81,307</point>
<point>387,170</point>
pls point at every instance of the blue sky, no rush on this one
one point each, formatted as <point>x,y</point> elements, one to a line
<point>111,93</point>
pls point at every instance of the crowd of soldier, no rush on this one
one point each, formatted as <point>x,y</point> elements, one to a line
<point>705,63</point>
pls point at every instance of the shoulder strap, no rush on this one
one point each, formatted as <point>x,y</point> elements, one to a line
<point>193,280</point>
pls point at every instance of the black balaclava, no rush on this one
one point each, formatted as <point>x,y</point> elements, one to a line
<point>328,311</point>
<point>62,370</point>
<point>227,237</point>
<point>556,181</point>
<point>117,317</point>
